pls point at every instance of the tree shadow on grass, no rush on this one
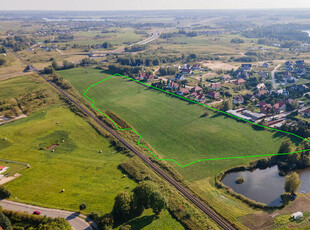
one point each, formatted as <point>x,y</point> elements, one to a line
<point>141,222</point>
<point>294,139</point>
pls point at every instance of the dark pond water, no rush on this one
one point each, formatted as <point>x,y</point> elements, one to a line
<point>265,185</point>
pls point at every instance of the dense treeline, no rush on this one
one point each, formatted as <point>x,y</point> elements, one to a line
<point>135,48</point>
<point>124,69</point>
<point>179,33</point>
<point>150,59</point>
<point>18,43</point>
<point>281,32</point>
<point>167,71</point>
<point>237,40</point>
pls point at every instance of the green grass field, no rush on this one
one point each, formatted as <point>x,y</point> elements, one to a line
<point>174,128</point>
<point>19,86</point>
<point>117,39</point>
<point>76,165</point>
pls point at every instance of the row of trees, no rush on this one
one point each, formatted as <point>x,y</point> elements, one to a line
<point>65,65</point>
<point>135,48</point>
<point>162,71</point>
<point>123,69</point>
<point>130,205</point>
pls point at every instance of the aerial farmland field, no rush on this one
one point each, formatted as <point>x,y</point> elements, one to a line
<point>175,128</point>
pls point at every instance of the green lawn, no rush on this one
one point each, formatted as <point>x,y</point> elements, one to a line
<point>76,165</point>
<point>149,221</point>
<point>174,128</point>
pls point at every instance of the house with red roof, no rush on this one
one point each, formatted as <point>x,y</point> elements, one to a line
<point>200,98</point>
<point>172,85</point>
<point>215,86</point>
<point>279,107</point>
<point>145,77</point>
<point>262,92</point>
<point>265,108</point>
<point>3,169</point>
<point>183,91</point>
<point>196,89</point>
<point>239,82</point>
<point>214,95</point>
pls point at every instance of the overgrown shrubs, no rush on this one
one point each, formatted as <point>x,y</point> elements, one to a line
<point>22,220</point>
<point>4,193</point>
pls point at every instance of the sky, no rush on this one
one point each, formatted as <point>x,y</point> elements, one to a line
<point>103,5</point>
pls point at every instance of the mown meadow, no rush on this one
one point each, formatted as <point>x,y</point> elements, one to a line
<point>65,152</point>
<point>176,128</point>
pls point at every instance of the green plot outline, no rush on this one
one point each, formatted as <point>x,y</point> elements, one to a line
<point>184,98</point>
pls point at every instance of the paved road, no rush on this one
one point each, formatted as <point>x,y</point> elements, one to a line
<point>273,78</point>
<point>74,219</point>
<point>154,36</point>
<point>186,193</point>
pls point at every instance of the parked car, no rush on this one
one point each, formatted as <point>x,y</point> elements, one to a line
<point>36,213</point>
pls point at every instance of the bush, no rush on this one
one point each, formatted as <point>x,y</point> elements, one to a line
<point>4,193</point>
<point>5,222</point>
<point>2,61</point>
<point>239,180</point>
<point>82,206</point>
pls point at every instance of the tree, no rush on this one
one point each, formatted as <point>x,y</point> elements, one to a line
<point>143,192</point>
<point>4,193</point>
<point>5,222</point>
<point>2,61</point>
<point>226,105</point>
<point>107,45</point>
<point>157,202</point>
<point>263,122</point>
<point>48,70</point>
<point>55,65</point>
<point>121,208</point>
<point>67,64</point>
<point>286,146</point>
<point>292,183</point>
<point>136,207</point>
<point>82,206</point>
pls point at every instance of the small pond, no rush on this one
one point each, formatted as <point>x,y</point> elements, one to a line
<point>265,185</point>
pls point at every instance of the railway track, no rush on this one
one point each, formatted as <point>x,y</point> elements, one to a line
<point>203,207</point>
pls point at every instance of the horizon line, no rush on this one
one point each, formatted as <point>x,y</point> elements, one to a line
<point>172,9</point>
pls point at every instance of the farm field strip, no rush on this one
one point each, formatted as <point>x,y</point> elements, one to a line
<point>211,108</point>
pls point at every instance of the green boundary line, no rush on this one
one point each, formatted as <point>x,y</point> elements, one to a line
<point>184,98</point>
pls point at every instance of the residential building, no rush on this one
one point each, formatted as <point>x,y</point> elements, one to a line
<point>238,100</point>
